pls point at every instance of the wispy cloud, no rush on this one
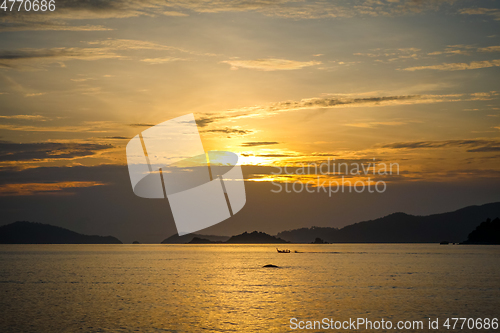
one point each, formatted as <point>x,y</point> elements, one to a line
<point>69,12</point>
<point>474,145</point>
<point>494,12</point>
<point>84,127</point>
<point>132,44</point>
<point>457,66</point>
<point>156,61</point>
<point>31,58</point>
<point>495,48</point>
<point>390,55</point>
<point>59,188</point>
<point>207,119</point>
<point>270,64</point>
<point>141,125</point>
<point>374,124</point>
<point>10,151</point>
<point>412,53</point>
<point>229,131</point>
<point>41,26</point>
<point>25,117</point>
<point>35,94</point>
<point>258,143</point>
<point>337,101</point>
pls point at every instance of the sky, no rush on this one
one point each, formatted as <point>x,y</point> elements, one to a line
<point>280,83</point>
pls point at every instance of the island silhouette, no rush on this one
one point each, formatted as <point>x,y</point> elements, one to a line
<point>23,232</point>
<point>469,225</point>
<point>487,233</point>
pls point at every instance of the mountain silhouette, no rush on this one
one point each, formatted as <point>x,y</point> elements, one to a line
<point>23,232</point>
<point>176,239</point>
<point>198,240</point>
<point>255,238</point>
<point>402,228</point>
<point>487,232</point>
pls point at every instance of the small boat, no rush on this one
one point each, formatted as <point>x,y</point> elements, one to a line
<point>283,251</point>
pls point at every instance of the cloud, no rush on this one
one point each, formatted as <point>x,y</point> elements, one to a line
<point>494,12</point>
<point>229,130</point>
<point>495,48</point>
<point>173,13</point>
<point>203,121</point>
<point>412,53</point>
<point>86,126</point>
<point>69,11</point>
<point>31,58</point>
<point>132,44</point>
<point>258,143</point>
<point>115,137</point>
<point>458,66</point>
<point>390,55</point>
<point>141,125</point>
<point>10,151</point>
<point>465,50</point>
<point>34,94</point>
<point>486,149</point>
<point>270,64</point>
<point>342,101</point>
<point>156,61</point>
<point>474,145</point>
<point>40,26</point>
<point>377,123</point>
<point>25,117</point>
<point>332,101</point>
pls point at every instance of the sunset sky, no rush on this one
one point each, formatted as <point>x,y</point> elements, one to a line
<point>279,82</point>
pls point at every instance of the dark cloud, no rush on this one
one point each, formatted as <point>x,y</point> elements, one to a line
<point>486,149</point>
<point>229,130</point>
<point>338,101</point>
<point>473,145</point>
<point>30,57</point>
<point>37,53</point>
<point>141,125</point>
<point>207,120</point>
<point>36,151</point>
<point>258,143</point>
<point>322,104</point>
<point>114,137</point>
<point>70,11</point>
<point>275,155</point>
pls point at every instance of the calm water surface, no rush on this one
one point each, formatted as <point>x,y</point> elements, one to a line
<point>223,288</point>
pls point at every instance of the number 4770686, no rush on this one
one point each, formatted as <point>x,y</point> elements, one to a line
<point>28,5</point>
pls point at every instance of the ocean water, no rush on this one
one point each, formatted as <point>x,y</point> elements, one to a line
<point>224,288</point>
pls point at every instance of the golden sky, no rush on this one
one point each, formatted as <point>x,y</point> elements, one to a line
<point>280,82</point>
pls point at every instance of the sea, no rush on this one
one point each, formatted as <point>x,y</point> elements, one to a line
<point>225,288</point>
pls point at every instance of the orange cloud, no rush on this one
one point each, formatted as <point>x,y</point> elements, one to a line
<point>270,64</point>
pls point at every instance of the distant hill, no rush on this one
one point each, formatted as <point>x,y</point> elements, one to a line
<point>487,232</point>
<point>176,239</point>
<point>307,235</point>
<point>38,233</point>
<point>255,238</point>
<point>197,240</point>
<point>402,228</point>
